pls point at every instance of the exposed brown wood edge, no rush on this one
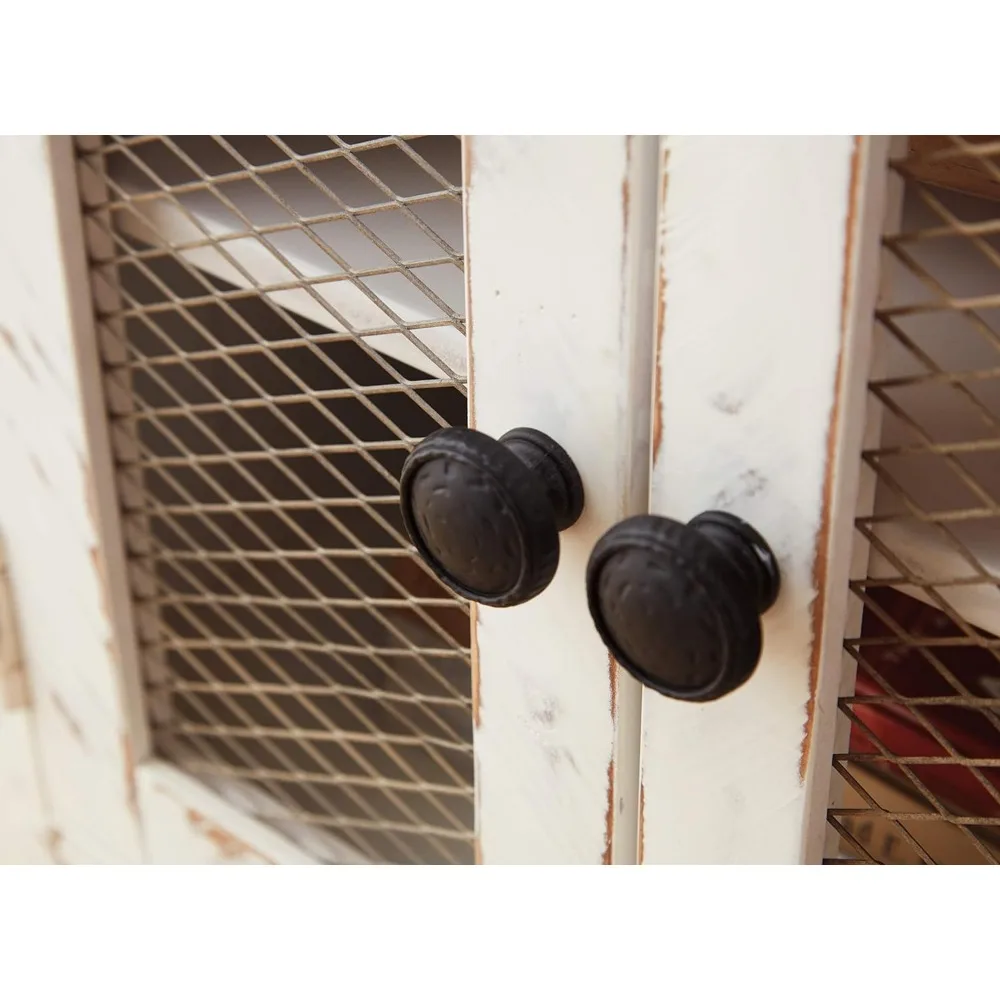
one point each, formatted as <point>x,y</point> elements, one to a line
<point>641,846</point>
<point>15,688</point>
<point>607,857</point>
<point>609,816</point>
<point>661,308</point>
<point>962,173</point>
<point>227,846</point>
<point>821,554</point>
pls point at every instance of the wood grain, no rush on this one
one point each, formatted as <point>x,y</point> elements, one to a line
<point>967,174</point>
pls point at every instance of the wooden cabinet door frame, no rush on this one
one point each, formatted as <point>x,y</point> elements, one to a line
<point>621,292</point>
<point>769,252</point>
<point>561,254</point>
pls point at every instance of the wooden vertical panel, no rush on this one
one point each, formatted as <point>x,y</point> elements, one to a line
<point>25,835</point>
<point>768,268</point>
<point>822,840</point>
<point>560,245</point>
<point>48,512</point>
<point>59,517</point>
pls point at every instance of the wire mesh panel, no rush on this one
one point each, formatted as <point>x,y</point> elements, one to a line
<point>920,780</point>
<point>281,318</point>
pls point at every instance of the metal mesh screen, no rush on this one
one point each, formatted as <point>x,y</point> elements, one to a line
<point>281,318</point>
<point>919,780</point>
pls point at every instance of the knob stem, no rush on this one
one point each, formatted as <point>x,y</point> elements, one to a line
<point>549,460</point>
<point>747,552</point>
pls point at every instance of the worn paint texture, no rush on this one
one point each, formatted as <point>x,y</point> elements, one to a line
<point>820,561</point>
<point>549,705</point>
<point>754,236</point>
<point>45,518</point>
<point>229,848</point>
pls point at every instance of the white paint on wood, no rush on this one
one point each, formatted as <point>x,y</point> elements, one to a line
<point>768,251</point>
<point>561,242</point>
<point>186,823</point>
<point>58,514</point>
<point>25,836</point>
<point>47,515</point>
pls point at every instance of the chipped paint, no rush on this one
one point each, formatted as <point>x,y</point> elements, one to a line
<point>613,679</point>
<point>609,820</point>
<point>89,497</point>
<point>626,198</point>
<point>44,358</point>
<point>474,657</point>
<point>54,841</point>
<point>102,589</point>
<point>15,690</point>
<point>15,687</point>
<point>58,577</point>
<point>821,554</point>
<point>755,286</point>
<point>67,716</point>
<point>641,846</point>
<point>228,847</point>
<point>661,310</point>
<point>128,766</point>
<point>39,469</point>
<point>527,321</point>
<point>7,338</point>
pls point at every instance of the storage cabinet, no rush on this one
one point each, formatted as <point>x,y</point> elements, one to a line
<point>219,644</point>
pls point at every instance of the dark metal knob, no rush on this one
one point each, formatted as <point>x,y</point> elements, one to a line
<point>485,514</point>
<point>679,605</point>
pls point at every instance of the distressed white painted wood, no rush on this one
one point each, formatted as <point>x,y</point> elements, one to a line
<point>47,515</point>
<point>560,244</point>
<point>767,285</point>
<point>65,559</point>
<point>562,274</point>
<point>25,836</point>
<point>186,823</point>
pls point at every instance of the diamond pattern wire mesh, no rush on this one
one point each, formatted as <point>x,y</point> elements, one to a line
<point>281,318</point>
<point>920,779</point>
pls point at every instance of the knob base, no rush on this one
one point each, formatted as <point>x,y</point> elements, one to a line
<point>746,549</point>
<point>549,460</point>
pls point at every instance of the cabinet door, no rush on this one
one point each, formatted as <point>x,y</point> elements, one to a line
<point>218,351</point>
<point>768,267</point>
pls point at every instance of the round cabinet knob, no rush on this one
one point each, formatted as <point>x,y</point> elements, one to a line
<point>485,514</point>
<point>679,605</point>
